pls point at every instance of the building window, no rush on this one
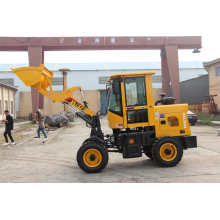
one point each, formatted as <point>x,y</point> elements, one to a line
<point>0,107</point>
<point>217,71</point>
<point>6,105</point>
<point>8,81</point>
<point>12,107</point>
<point>57,81</point>
<point>103,80</point>
<point>156,79</point>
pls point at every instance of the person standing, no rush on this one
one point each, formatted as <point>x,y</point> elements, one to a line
<point>9,125</point>
<point>40,119</point>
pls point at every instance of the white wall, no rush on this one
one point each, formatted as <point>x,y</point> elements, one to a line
<point>89,80</point>
<point>186,74</point>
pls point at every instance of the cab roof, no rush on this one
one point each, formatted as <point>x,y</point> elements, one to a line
<point>131,74</point>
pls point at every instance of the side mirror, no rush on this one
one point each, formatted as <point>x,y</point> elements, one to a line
<point>115,88</point>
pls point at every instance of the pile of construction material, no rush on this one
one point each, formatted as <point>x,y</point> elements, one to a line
<point>60,120</point>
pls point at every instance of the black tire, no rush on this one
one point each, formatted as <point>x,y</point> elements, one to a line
<point>193,124</point>
<point>30,117</point>
<point>167,151</point>
<point>94,162</point>
<point>147,152</point>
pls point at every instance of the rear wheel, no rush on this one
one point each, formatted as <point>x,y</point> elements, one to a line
<point>167,151</point>
<point>193,123</point>
<point>92,157</point>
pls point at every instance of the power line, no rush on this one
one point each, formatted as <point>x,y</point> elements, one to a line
<point>21,41</point>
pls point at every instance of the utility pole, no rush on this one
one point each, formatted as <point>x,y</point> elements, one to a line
<point>64,73</point>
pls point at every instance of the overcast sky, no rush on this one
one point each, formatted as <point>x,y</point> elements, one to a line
<point>111,18</point>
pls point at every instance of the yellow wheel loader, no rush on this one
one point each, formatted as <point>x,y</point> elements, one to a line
<point>139,126</point>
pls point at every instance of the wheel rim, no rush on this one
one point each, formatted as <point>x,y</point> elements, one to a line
<point>168,152</point>
<point>92,158</point>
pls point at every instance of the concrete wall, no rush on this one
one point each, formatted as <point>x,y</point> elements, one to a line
<point>25,106</point>
<point>214,83</point>
<point>157,92</point>
<point>51,108</point>
<point>7,94</point>
<point>17,82</point>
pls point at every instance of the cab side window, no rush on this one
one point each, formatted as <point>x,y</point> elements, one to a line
<point>115,104</point>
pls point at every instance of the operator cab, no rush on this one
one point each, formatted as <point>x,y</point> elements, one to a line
<point>130,96</point>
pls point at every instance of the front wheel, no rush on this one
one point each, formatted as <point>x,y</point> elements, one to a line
<point>167,151</point>
<point>92,157</point>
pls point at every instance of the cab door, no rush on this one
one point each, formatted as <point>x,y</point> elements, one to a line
<point>136,108</point>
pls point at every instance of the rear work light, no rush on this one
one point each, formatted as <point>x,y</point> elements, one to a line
<point>131,141</point>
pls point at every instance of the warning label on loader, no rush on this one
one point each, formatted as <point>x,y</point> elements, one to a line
<point>119,125</point>
<point>184,120</point>
<point>75,103</point>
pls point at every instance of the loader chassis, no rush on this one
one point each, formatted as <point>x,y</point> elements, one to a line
<point>160,132</point>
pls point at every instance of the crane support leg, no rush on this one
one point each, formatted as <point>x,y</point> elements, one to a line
<point>165,76</point>
<point>173,66</point>
<point>36,57</point>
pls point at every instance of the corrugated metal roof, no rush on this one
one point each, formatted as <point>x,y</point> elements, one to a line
<point>191,65</point>
<point>6,84</point>
<point>212,62</point>
<point>132,66</point>
<point>82,66</point>
<point>107,66</point>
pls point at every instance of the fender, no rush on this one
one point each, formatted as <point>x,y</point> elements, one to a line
<point>94,138</point>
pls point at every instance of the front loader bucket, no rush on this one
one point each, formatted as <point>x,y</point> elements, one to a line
<point>36,77</point>
<point>40,79</point>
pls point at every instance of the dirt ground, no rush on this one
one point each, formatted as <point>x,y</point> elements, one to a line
<point>55,162</point>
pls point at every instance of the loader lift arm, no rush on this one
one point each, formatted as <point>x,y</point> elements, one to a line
<point>40,79</point>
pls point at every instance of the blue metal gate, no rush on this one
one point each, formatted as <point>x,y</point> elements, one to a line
<point>104,102</point>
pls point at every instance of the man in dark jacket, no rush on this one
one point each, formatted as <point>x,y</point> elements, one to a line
<point>9,124</point>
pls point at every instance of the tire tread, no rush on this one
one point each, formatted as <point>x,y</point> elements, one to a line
<point>160,161</point>
<point>90,170</point>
